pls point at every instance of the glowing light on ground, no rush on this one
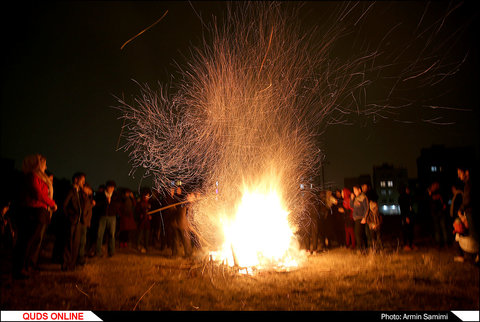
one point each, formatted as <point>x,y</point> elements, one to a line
<point>260,234</point>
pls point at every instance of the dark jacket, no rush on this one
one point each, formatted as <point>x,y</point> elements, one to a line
<point>437,206</point>
<point>141,213</point>
<point>405,203</point>
<point>73,205</point>
<point>105,208</point>
<point>359,206</point>
<point>349,222</point>
<point>127,220</point>
<point>87,211</point>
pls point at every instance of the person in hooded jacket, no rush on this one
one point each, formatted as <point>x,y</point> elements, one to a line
<point>349,222</point>
<point>34,217</point>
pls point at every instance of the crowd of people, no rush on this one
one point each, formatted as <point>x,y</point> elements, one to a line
<point>352,219</point>
<point>88,222</point>
<point>347,218</point>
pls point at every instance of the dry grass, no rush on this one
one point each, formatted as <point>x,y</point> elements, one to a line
<point>339,280</point>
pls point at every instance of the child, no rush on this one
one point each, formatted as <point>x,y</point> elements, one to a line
<point>463,243</point>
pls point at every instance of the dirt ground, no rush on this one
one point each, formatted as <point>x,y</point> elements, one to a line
<point>337,280</point>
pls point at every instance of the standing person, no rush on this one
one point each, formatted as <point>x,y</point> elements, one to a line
<point>176,223</point>
<point>183,231</point>
<point>348,217</point>
<point>73,208</point>
<point>371,196</point>
<point>45,223</point>
<point>144,221</point>
<point>181,227</point>
<point>313,217</point>
<point>158,229</point>
<point>169,215</point>
<point>338,222</point>
<point>324,228</point>
<point>374,222</point>
<point>369,192</point>
<point>330,233</point>
<point>92,231</point>
<point>359,204</point>
<point>108,210</point>
<point>467,208</point>
<point>88,204</point>
<point>406,213</point>
<point>456,202</point>
<point>437,212</point>
<point>194,236</point>
<point>34,216</point>
<point>127,220</point>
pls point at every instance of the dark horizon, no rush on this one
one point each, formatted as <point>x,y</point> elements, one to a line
<point>63,68</point>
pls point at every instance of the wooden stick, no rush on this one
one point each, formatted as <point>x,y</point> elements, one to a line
<point>166,207</point>
<point>173,205</point>
<point>235,260</point>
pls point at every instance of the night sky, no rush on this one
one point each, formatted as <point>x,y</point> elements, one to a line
<point>63,67</point>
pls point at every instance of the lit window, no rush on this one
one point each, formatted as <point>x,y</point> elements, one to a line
<point>382,183</point>
<point>390,183</point>
<point>433,168</point>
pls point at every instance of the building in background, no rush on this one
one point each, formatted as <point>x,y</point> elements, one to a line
<point>439,163</point>
<point>387,182</point>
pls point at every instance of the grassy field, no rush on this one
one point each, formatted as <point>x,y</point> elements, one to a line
<point>337,280</point>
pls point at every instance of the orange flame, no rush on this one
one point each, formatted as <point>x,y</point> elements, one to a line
<point>260,234</point>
